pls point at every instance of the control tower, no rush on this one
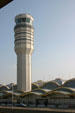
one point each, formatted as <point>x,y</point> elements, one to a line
<point>24,39</point>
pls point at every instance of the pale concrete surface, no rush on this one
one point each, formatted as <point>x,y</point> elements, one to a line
<point>24,32</point>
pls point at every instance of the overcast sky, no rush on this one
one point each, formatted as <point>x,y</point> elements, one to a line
<point>54,39</point>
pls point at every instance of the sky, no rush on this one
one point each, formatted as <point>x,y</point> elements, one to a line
<point>54,39</point>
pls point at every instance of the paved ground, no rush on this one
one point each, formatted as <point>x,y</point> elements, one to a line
<point>35,110</point>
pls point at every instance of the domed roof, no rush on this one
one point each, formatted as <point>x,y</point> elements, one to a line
<point>39,83</point>
<point>14,87</point>
<point>65,90</point>
<point>61,91</point>
<point>24,16</point>
<point>41,91</point>
<point>70,83</point>
<point>34,86</point>
<point>31,93</point>
<point>11,85</point>
<point>59,81</point>
<point>56,94</point>
<point>4,88</point>
<point>50,85</point>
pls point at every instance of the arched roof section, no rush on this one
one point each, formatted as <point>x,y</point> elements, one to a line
<point>4,88</point>
<point>59,81</point>
<point>34,92</point>
<point>41,91</point>
<point>55,94</point>
<point>11,85</point>
<point>4,94</point>
<point>39,83</point>
<point>51,85</point>
<point>9,93</point>
<point>65,90</point>
<point>17,92</point>
<point>30,93</point>
<point>70,83</point>
<point>34,86</point>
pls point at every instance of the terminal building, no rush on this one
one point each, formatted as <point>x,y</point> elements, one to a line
<point>44,94</point>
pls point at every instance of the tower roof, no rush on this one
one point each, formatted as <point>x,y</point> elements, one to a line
<point>24,16</point>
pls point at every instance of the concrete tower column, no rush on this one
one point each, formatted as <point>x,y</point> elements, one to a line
<point>24,47</point>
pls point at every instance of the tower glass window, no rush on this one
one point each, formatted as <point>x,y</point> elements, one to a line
<point>18,21</point>
<point>28,20</point>
<point>23,20</point>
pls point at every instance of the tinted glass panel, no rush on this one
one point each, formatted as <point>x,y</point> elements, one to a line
<point>18,21</point>
<point>28,20</point>
<point>23,20</point>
